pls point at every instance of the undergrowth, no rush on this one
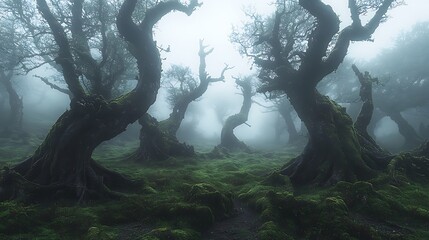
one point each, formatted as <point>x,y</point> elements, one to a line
<point>183,198</point>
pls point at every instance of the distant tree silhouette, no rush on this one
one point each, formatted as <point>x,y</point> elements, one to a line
<point>158,141</point>
<point>228,140</point>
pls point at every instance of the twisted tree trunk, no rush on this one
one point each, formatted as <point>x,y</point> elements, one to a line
<point>228,140</point>
<point>158,141</point>
<point>14,122</point>
<point>156,144</point>
<point>63,166</point>
<point>412,139</point>
<point>285,111</point>
<point>335,151</point>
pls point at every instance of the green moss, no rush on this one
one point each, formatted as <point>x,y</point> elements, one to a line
<point>16,217</point>
<point>206,194</point>
<point>181,196</point>
<point>97,233</point>
<point>276,179</point>
<point>168,234</point>
<point>270,231</point>
<point>199,217</point>
<point>74,220</point>
<point>129,209</point>
<point>406,168</point>
<point>333,220</point>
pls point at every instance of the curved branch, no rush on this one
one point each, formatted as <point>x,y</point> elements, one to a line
<point>155,14</point>
<point>354,32</point>
<point>328,24</point>
<point>65,58</point>
<point>54,86</point>
<point>221,78</point>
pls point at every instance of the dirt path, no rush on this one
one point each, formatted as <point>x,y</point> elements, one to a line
<point>243,226</point>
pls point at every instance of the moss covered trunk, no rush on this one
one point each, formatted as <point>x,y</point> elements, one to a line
<point>335,151</point>
<point>63,166</point>
<point>157,144</point>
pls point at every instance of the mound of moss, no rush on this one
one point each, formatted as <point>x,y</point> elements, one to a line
<point>171,234</point>
<point>220,204</point>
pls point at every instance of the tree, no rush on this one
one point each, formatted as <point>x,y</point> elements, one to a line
<point>100,55</point>
<point>405,73</point>
<point>158,141</point>
<point>285,109</point>
<point>12,53</point>
<point>228,140</point>
<point>62,165</point>
<point>294,57</point>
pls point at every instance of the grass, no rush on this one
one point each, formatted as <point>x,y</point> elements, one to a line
<point>182,198</point>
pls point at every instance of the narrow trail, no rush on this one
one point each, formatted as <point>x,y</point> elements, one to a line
<point>243,226</point>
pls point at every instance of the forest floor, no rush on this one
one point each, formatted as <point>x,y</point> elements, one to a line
<point>236,196</point>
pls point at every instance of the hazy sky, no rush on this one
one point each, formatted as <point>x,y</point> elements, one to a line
<point>213,22</point>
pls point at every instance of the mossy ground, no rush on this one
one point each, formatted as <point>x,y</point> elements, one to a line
<point>185,198</point>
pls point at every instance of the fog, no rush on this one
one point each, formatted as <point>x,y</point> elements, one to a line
<point>214,22</point>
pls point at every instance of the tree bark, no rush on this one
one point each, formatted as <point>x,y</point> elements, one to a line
<point>412,139</point>
<point>335,151</point>
<point>14,121</point>
<point>156,144</point>
<point>285,111</point>
<point>158,141</point>
<point>62,166</point>
<point>228,140</point>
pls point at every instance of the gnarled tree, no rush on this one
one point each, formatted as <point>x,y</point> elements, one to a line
<point>405,68</point>
<point>296,63</point>
<point>63,163</point>
<point>10,65</point>
<point>100,55</point>
<point>228,140</point>
<point>158,141</point>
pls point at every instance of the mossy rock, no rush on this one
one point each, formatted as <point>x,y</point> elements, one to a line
<point>361,196</point>
<point>96,233</point>
<point>199,217</point>
<point>406,168</point>
<point>16,217</point>
<point>276,179</point>
<point>271,231</point>
<point>129,209</point>
<point>74,220</point>
<point>168,234</point>
<point>229,166</point>
<point>333,220</point>
<point>302,211</point>
<point>220,203</point>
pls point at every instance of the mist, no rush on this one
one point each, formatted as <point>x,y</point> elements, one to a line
<point>212,119</point>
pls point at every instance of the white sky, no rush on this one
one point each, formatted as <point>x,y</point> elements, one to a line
<point>214,20</point>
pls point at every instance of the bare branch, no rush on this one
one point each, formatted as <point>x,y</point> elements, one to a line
<point>65,58</point>
<point>54,86</point>
<point>222,74</point>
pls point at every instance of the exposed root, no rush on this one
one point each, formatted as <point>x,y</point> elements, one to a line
<point>94,182</point>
